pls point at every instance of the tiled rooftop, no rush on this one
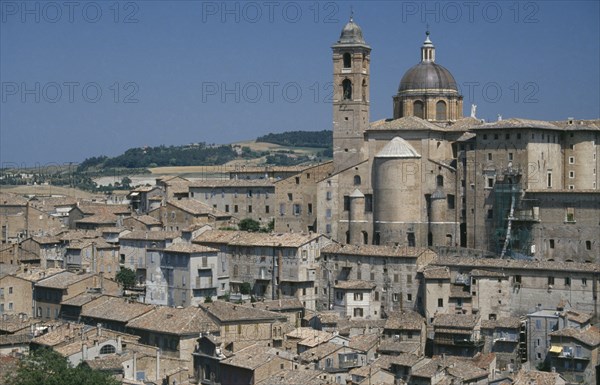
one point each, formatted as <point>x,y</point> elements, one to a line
<point>463,321</point>
<point>404,320</point>
<point>150,235</point>
<point>589,336</point>
<point>189,248</point>
<point>114,309</point>
<point>62,280</point>
<point>251,357</point>
<point>487,263</point>
<point>229,312</point>
<point>186,321</point>
<point>319,352</point>
<point>355,285</point>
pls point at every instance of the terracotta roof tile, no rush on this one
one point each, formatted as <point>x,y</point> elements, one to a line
<point>114,309</point>
<point>186,321</point>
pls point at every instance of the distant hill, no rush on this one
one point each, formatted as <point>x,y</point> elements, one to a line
<point>145,157</point>
<point>202,154</point>
<point>319,139</point>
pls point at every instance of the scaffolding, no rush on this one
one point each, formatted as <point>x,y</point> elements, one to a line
<point>514,217</point>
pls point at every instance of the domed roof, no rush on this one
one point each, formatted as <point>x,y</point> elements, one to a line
<point>427,75</point>
<point>351,34</point>
<point>398,148</point>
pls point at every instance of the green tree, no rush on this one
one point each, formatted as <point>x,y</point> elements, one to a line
<point>46,367</point>
<point>245,288</point>
<point>249,224</point>
<point>126,277</point>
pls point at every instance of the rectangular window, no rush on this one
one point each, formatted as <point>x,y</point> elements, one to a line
<point>395,297</point>
<point>235,209</point>
<point>281,208</point>
<point>290,196</point>
<point>549,180</point>
<point>440,302</point>
<point>408,278</point>
<point>588,245</point>
<point>358,296</point>
<point>267,208</point>
<point>571,174</point>
<point>396,278</point>
<point>296,209</point>
<point>249,208</point>
<point>490,182</point>
<point>372,277</point>
<point>328,195</point>
<point>328,213</point>
<point>451,203</point>
<point>328,229</point>
<point>409,297</point>
<point>346,203</point>
<point>551,241</point>
<point>358,312</point>
<point>368,203</point>
<point>570,214</point>
<point>567,281</point>
<point>550,280</point>
<point>510,156</point>
<point>489,156</point>
<point>583,281</point>
<point>571,160</point>
<point>309,208</point>
<point>226,208</point>
<point>358,274</point>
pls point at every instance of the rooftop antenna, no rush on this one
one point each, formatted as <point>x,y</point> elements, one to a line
<point>351,14</point>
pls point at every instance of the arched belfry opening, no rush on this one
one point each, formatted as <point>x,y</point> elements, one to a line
<point>347,60</point>
<point>347,89</point>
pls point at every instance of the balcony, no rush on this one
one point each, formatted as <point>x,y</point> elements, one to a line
<point>459,342</point>
<point>346,364</point>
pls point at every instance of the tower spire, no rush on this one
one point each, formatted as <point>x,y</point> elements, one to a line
<point>351,14</point>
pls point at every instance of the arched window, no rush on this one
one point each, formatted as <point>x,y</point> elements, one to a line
<point>357,180</point>
<point>440,110</point>
<point>347,60</point>
<point>108,349</point>
<point>364,90</point>
<point>347,87</point>
<point>440,181</point>
<point>419,109</point>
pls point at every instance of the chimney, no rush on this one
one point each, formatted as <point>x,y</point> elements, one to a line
<point>99,330</point>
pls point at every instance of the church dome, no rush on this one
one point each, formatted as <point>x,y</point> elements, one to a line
<point>427,75</point>
<point>351,34</point>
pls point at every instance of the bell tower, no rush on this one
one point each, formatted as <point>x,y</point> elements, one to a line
<point>351,62</point>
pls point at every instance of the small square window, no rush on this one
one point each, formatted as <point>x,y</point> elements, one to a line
<point>571,160</point>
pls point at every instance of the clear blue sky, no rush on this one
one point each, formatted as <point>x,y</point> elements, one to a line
<point>219,72</point>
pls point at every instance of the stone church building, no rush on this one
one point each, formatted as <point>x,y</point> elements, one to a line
<point>430,177</point>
